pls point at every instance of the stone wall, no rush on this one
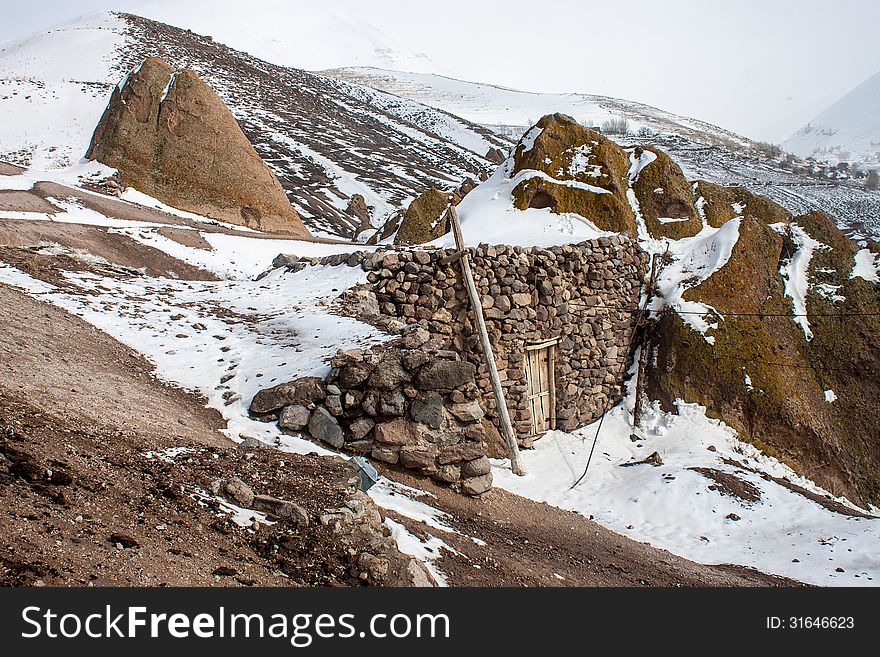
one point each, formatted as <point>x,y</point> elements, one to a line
<point>582,294</point>
<point>419,401</point>
<point>407,402</point>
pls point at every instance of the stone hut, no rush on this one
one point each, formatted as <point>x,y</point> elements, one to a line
<point>560,321</point>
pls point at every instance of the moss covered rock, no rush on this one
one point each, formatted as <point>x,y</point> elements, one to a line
<point>721,204</point>
<point>426,218</point>
<point>666,199</point>
<point>781,407</point>
<point>567,160</point>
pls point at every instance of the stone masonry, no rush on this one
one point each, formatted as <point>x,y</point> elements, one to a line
<point>421,399</point>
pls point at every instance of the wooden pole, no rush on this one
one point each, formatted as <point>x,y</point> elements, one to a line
<point>516,464</point>
<point>634,435</point>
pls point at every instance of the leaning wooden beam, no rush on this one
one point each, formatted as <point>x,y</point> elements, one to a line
<point>516,464</point>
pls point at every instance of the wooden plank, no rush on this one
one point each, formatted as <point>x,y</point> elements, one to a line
<point>542,345</point>
<point>516,464</point>
<point>553,386</point>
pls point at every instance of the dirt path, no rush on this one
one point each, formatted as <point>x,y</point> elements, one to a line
<point>533,544</point>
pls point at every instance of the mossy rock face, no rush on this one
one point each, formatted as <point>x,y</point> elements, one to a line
<point>784,412</point>
<point>426,218</point>
<point>564,150</point>
<point>718,204</point>
<point>604,210</point>
<point>664,193</point>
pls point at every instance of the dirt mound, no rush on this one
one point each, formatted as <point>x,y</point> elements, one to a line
<point>583,173</point>
<point>170,136</point>
<point>666,199</point>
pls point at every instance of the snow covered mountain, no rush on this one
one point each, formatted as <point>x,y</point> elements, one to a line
<point>294,33</point>
<point>704,151</point>
<point>848,131</point>
<point>512,112</point>
<point>326,140</point>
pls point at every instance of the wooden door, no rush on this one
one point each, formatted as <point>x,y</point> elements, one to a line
<point>539,375</point>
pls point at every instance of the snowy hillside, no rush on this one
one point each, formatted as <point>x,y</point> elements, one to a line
<point>511,111</point>
<point>295,33</point>
<point>53,89</point>
<point>848,131</point>
<point>704,151</point>
<point>326,140</point>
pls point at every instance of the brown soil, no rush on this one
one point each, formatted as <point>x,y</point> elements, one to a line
<point>186,237</point>
<point>77,403</point>
<point>24,201</point>
<point>533,544</point>
<point>78,414</point>
<point>7,169</point>
<point>727,483</point>
<point>98,241</point>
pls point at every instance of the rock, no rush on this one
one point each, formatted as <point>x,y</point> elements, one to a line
<point>294,417</point>
<point>393,404</point>
<point>359,428</point>
<point>425,219</point>
<point>413,574</point>
<point>558,147</point>
<point>324,427</point>
<point>445,375</point>
<point>385,454</point>
<point>170,136</point>
<point>225,571</point>
<point>476,468</point>
<point>449,473</point>
<point>496,446</point>
<point>675,200</point>
<point>304,391</point>
<point>389,374</point>
<point>354,375</point>
<point>238,491</point>
<point>522,299</point>
<point>415,339</point>
<point>396,432</point>
<point>362,303</point>
<point>413,359</point>
<point>476,485</point>
<point>250,443</point>
<point>495,156</point>
<point>467,412</point>
<point>372,568</point>
<point>125,540</point>
<point>460,452</point>
<point>357,208</point>
<point>288,511</point>
<point>428,411</point>
<point>333,403</point>
<point>419,458</point>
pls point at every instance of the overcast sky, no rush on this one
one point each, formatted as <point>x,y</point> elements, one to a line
<point>761,68</point>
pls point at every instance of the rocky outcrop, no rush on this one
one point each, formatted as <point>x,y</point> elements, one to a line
<point>762,375</point>
<point>575,170</point>
<point>357,209</point>
<point>171,136</point>
<point>665,197</point>
<point>426,218</point>
<point>721,204</point>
